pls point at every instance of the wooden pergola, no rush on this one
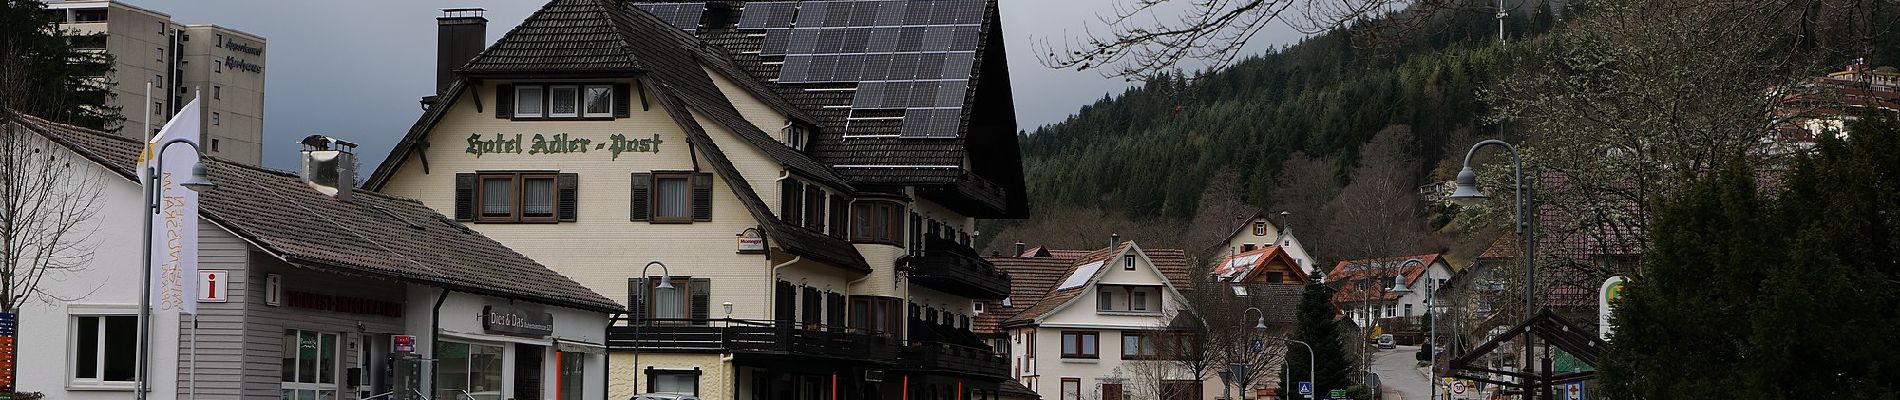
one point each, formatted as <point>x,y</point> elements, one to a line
<point>1553,331</point>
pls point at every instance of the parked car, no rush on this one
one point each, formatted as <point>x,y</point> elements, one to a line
<point>1386,341</point>
<point>664,396</point>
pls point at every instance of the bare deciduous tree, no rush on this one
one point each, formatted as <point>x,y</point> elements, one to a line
<point>48,212</point>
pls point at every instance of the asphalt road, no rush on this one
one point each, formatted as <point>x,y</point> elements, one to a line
<point>1399,375</point>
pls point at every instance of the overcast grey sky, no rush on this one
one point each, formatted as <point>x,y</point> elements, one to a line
<point>354,69</point>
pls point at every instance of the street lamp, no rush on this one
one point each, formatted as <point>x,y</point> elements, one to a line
<point>666,282</point>
<point>1285,374</point>
<point>1467,193</point>
<point>197,182</point>
<point>1431,290</point>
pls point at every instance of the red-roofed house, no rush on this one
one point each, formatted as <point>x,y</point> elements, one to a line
<point>1269,264</point>
<point>1391,287</point>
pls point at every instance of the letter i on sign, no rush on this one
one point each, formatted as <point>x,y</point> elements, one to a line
<point>214,286</point>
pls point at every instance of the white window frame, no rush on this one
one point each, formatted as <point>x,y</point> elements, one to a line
<point>549,104</point>
<point>336,378</point>
<point>1137,300</point>
<point>796,136</point>
<point>543,113</point>
<point>72,347</point>
<point>585,98</point>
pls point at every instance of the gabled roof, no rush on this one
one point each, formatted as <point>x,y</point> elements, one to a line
<point>1170,264</point>
<point>372,234</point>
<point>1041,251</point>
<point>863,144</point>
<point>1238,267</point>
<point>1030,278</point>
<point>1361,269</point>
<point>612,39</point>
<point>601,38</point>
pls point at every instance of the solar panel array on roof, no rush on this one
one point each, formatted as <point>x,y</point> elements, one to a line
<point>681,15</point>
<point>910,55</point>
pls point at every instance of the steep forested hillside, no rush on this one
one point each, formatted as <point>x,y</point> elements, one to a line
<point>1147,155</point>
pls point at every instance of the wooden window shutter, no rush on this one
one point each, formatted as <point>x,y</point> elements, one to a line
<point>464,197</point>
<point>789,192</point>
<point>567,194</point>
<point>702,196</point>
<point>834,310</point>
<point>639,208</point>
<point>700,289</point>
<point>637,300</point>
<point>785,304</point>
<point>814,306</point>
<point>622,96</point>
<point>504,101</point>
<point>840,216</point>
<point>815,208</point>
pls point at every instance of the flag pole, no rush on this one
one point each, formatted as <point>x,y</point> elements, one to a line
<point>145,268</point>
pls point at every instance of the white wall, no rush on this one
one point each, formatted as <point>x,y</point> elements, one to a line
<point>461,315</point>
<point>109,283</point>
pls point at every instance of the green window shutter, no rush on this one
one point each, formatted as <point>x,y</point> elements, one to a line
<point>622,96</point>
<point>464,197</point>
<point>640,206</point>
<point>701,293</point>
<point>702,197</point>
<point>567,196</point>
<point>637,300</point>
<point>504,101</point>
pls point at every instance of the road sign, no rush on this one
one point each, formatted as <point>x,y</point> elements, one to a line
<point>214,286</point>
<point>1337,393</point>
<point>1573,391</point>
<point>1458,387</point>
<point>1259,345</point>
<point>1306,388</point>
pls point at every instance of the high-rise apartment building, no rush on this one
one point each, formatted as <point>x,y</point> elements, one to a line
<point>223,66</point>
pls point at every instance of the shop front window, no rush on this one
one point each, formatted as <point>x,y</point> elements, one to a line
<point>673,381</point>
<point>573,375</point>
<point>309,365</point>
<point>466,370</point>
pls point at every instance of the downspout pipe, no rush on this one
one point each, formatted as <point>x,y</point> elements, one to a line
<point>435,331</point>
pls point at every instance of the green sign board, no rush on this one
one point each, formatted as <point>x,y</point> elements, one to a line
<point>559,143</point>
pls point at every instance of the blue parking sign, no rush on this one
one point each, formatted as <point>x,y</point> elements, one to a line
<point>1306,388</point>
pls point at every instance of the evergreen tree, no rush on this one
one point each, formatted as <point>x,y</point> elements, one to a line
<point>1792,292</point>
<point>46,75</point>
<point>1318,328</point>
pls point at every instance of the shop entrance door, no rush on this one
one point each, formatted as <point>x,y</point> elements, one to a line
<point>528,371</point>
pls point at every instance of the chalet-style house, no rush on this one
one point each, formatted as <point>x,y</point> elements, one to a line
<point>1373,291</point>
<point>1255,232</point>
<point>303,294</point>
<point>806,176</point>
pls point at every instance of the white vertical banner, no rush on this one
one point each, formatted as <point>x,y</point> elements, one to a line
<point>1608,295</point>
<point>175,228</point>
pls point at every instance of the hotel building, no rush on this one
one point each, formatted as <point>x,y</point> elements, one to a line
<point>224,66</point>
<point>783,194</point>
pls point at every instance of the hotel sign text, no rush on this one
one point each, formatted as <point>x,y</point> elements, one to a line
<point>559,143</point>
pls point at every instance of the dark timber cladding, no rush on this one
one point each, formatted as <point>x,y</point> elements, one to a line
<point>902,88</point>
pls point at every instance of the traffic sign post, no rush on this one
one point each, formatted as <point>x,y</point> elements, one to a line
<point>1306,389</point>
<point>1259,345</point>
<point>1573,391</point>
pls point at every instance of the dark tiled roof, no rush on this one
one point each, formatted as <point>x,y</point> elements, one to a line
<point>670,62</point>
<point>794,239</point>
<point>602,38</point>
<point>372,233</point>
<point>1011,387</point>
<point>1280,302</point>
<point>1030,278</point>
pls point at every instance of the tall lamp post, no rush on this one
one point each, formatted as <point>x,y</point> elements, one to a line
<point>1431,289</point>
<point>1467,193</point>
<point>666,282</point>
<point>1311,360</point>
<point>197,182</point>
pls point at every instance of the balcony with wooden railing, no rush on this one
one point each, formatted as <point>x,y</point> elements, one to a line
<point>954,268</point>
<point>749,336</point>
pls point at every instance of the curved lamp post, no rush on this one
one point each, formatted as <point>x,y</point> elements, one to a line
<point>197,182</point>
<point>666,282</point>
<point>1285,374</point>
<point>1431,293</point>
<point>1467,193</point>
